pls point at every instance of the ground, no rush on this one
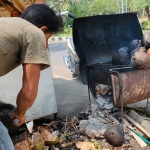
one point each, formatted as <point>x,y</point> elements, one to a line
<point>71,94</point>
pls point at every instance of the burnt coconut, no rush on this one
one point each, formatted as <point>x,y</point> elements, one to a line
<point>134,45</point>
<point>115,135</point>
<point>121,57</point>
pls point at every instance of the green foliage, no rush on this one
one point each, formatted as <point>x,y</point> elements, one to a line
<point>145,25</point>
<point>66,32</point>
<point>93,7</point>
<point>83,8</point>
<point>97,145</point>
<point>57,5</point>
<point>139,4</point>
<point>99,7</point>
<point>80,9</point>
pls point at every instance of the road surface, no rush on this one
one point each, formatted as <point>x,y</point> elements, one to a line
<point>71,94</point>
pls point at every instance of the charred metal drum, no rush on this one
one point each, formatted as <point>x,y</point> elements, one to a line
<point>96,39</point>
<point>131,87</point>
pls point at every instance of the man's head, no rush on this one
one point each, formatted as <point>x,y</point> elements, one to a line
<point>44,18</point>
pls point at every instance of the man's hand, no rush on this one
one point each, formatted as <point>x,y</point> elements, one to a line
<point>20,117</point>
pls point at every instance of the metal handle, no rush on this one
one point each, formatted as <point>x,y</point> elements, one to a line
<point>16,121</point>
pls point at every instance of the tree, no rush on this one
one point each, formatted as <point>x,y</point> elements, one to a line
<point>93,7</point>
<point>103,7</point>
<point>84,8</point>
<point>57,5</point>
<point>142,6</point>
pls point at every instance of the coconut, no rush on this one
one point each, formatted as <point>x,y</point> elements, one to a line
<point>121,57</point>
<point>115,135</point>
<point>140,59</point>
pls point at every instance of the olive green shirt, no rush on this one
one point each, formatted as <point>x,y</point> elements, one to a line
<point>21,42</point>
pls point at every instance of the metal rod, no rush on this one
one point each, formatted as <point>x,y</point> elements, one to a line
<point>147,102</point>
<point>89,96</point>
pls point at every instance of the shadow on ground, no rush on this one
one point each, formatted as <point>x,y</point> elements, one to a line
<point>71,96</point>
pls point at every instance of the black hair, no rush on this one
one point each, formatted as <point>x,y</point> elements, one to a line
<point>42,15</point>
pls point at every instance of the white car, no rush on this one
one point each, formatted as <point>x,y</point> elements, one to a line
<point>72,60</point>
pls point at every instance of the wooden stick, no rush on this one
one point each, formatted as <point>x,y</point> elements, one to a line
<point>139,119</point>
<point>137,125</point>
<point>138,139</point>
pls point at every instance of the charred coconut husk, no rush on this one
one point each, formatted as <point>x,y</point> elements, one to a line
<point>121,57</point>
<point>115,135</point>
<point>134,45</point>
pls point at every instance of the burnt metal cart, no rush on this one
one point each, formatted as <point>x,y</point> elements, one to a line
<point>96,38</point>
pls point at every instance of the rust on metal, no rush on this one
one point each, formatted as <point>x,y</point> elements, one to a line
<point>131,87</point>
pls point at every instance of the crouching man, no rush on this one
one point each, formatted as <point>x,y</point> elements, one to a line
<point>24,41</point>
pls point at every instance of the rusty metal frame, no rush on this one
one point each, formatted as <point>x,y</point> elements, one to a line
<point>131,87</point>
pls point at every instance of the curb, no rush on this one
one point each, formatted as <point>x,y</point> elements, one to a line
<point>58,38</point>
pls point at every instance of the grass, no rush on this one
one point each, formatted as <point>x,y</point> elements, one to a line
<point>143,19</point>
<point>144,31</point>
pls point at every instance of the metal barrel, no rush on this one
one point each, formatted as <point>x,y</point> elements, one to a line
<point>96,38</point>
<point>131,87</point>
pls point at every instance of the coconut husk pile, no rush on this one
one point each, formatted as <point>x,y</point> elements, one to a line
<point>101,127</point>
<point>92,129</point>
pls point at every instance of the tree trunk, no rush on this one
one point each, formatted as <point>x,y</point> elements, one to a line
<point>147,9</point>
<point>148,17</point>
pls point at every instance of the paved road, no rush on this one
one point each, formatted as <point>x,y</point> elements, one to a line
<point>71,94</point>
<point>57,51</point>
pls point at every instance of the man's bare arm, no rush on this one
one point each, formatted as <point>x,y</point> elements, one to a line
<point>28,92</point>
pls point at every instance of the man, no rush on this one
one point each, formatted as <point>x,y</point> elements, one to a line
<point>25,43</point>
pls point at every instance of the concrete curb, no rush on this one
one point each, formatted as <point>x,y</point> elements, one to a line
<point>58,38</point>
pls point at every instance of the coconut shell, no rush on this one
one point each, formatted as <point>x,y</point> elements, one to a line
<point>115,135</point>
<point>148,52</point>
<point>121,57</point>
<point>134,45</point>
<point>140,59</point>
<point>132,52</point>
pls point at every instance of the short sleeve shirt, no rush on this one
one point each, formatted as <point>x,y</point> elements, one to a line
<point>21,42</point>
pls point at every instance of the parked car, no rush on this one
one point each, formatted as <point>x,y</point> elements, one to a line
<point>72,60</point>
